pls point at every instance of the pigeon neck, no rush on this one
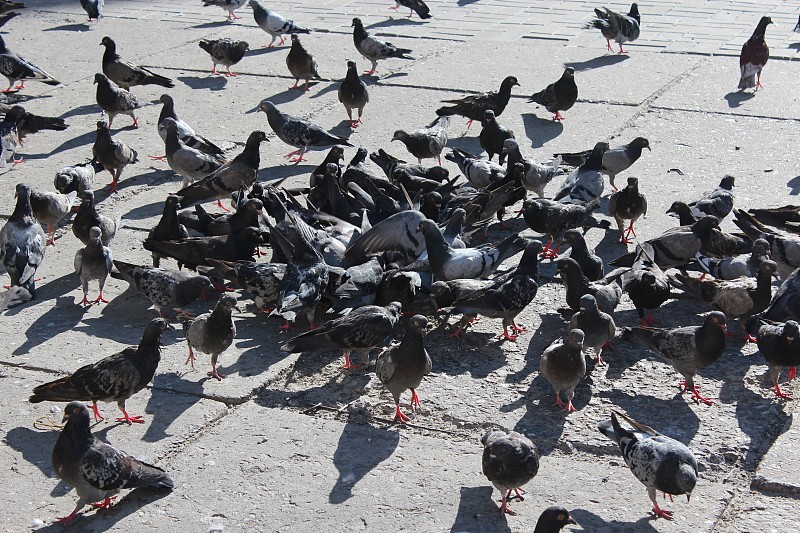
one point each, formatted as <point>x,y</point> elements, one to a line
<point>595,161</point>
<point>412,347</point>
<point>172,144</point>
<point>359,33</point>
<point>220,317</point>
<point>75,438</point>
<point>23,208</point>
<point>167,111</point>
<point>148,354</point>
<point>352,75</point>
<point>110,54</point>
<point>436,246</point>
<point>250,155</point>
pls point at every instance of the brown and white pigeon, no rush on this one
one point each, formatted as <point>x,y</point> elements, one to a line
<point>755,54</point>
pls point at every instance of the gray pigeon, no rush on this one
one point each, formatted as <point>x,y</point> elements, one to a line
<point>598,327</point>
<point>427,142</point>
<point>50,208</point>
<point>778,344</point>
<point>301,64</point>
<point>126,74</point>
<point>225,52</point>
<point>261,280</point>
<point>374,49</point>
<point>586,183</point>
<point>15,69</point>
<point>9,141</point>
<point>606,291</point>
<point>115,100</point>
<point>113,155</point>
<point>228,5</point>
<point>87,217</point>
<point>306,278</point>
<point>591,264</point>
<point>398,237</point>
<point>717,202</point>
<point>353,93</point>
<point>187,162</point>
<point>212,333</point>
<point>96,470</point>
<point>171,289</point>
<point>646,284</point>
<point>274,24</point>
<point>659,462</point>
<point>563,365</point>
<point>93,261</point>
<point>186,133</point>
<point>510,460</point>
<point>22,247</point>
<point>93,8</point>
<point>615,160</point>
<point>537,175</point>
<point>402,366</point>
<point>560,95</point>
<point>480,172</point>
<point>297,132</point>
<point>616,27</point>
<point>77,177</point>
<point>736,267</point>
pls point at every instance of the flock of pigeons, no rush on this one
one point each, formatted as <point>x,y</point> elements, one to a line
<point>379,250</point>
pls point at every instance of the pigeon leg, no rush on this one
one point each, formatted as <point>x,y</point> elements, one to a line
<point>558,117</point>
<point>517,328</point>
<point>469,123</point>
<point>214,373</point>
<point>52,231</point>
<point>504,508</point>
<point>414,400</point>
<point>97,416</point>
<point>22,83</point>
<point>621,51</point>
<point>219,204</point>
<point>393,8</point>
<point>457,333</point>
<point>18,161</point>
<point>113,185</point>
<point>348,365</point>
<point>306,88</point>
<point>85,300</point>
<point>295,84</point>
<point>506,335</point>
<point>191,357</point>
<point>286,327</point>
<point>758,81</point>
<point>598,361</point>
<point>67,519</point>
<point>299,157</point>
<point>781,394</point>
<point>399,416</point>
<point>698,398</point>
<point>410,13</point>
<point>100,299</point>
<point>283,40</point>
<point>105,504</point>
<point>214,70</point>
<point>559,403</point>
<point>662,513</point>
<point>229,73</point>
<point>11,89</point>
<point>610,48</point>
<point>630,231</point>
<point>312,327</point>
<point>519,491</point>
<point>135,122</point>
<point>664,495</point>
<point>157,157</point>
<point>791,373</point>
<point>126,417</point>
<point>271,44</point>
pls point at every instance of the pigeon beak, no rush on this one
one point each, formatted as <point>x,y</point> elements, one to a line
<point>688,497</point>
<point>571,520</point>
<point>64,418</point>
<point>724,327</point>
<point>648,147</point>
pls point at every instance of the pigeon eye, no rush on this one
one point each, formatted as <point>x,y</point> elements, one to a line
<point>560,517</point>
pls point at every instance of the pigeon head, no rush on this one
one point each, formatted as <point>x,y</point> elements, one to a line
<point>15,113</point>
<point>160,324</point>
<point>679,208</point>
<point>100,77</point>
<point>76,413</point>
<point>718,319</point>
<point>686,479</point>
<point>95,233</point>
<point>419,323</point>
<point>634,12</point>
<point>254,205</point>
<point>510,145</point>
<point>88,197</point>
<point>706,224</point>
<point>351,65</point>
<point>357,23</point>
<point>434,198</point>
<point>588,302</point>
<point>768,268</point>
<point>242,46</point>
<point>791,329</point>
<point>268,107</point>
<point>166,100</point>
<point>491,435</point>
<point>331,170</point>
<point>633,183</point>
<point>575,338</point>
<point>173,200</point>
<point>488,117</point>
<point>569,72</point>
<point>574,238</point>
<point>554,518</point>
<point>762,27</point>
<point>648,278</point>
<point>440,289</point>
<point>256,138</point>
<point>438,173</point>
<point>400,135</point>
<point>566,266</point>
<point>109,43</point>
<point>761,247</point>
<point>170,125</point>
<point>428,227</point>
<point>640,143</point>
<point>509,82</point>
<point>227,302</point>
<point>727,183</point>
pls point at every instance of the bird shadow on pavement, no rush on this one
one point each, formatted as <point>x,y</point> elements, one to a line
<point>794,185</point>
<point>540,130</point>
<point>469,144</point>
<point>462,3</point>
<point>210,82</point>
<point>145,211</point>
<point>588,521</point>
<point>283,97</point>
<point>551,328</point>
<point>681,423</point>
<point>472,353</point>
<point>737,98</point>
<point>215,24</point>
<point>333,85</point>
<point>164,406</point>
<point>388,23</point>
<point>596,62</point>
<point>361,448</point>
<point>65,315</point>
<point>70,27</point>
<point>36,447</point>
<point>254,359</point>
<point>265,50</point>
<point>75,142</point>
<point>156,176</point>
<point>80,110</point>
<point>476,511</point>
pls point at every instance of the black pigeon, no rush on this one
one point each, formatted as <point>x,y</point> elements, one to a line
<point>189,163</point>
<point>399,238</point>
<point>585,183</point>
<point>427,142</point>
<point>274,24</point>
<point>77,177</point>
<point>261,280</point>
<point>755,54</point>
<point>616,27</point>
<point>402,366</point>
<point>353,94</point>
<point>554,218</point>
<point>93,8</point>
<point>687,348</point>
<point>227,179</point>
<point>28,123</point>
<point>418,6</point>
<point>15,69</point>
<point>598,327</point>
<point>778,344</point>
<point>96,470</point>
<point>302,285</point>
<point>558,96</point>
<point>87,217</point>
<point>114,100</point>
<point>717,202</point>
<point>659,462</point>
<point>615,160</point>
<point>374,49</point>
<point>359,331</point>
<point>301,63</point>
<point>591,264</point>
<point>23,245</point>
<point>186,133</point>
<point>786,301</point>
<point>298,132</point>
<point>225,52</point>
<point>358,286</point>
<point>493,135</point>
<point>553,519</point>
<point>646,284</point>
<point>627,204</point>
<point>126,74</point>
<point>165,288</point>
<point>563,365</point>
<point>195,251</point>
<point>510,460</point>
<point>93,261</point>
<point>249,213</point>
<point>113,155</point>
<point>606,291</point>
<point>212,333</point>
<point>474,106</point>
<point>112,379</point>
<point>389,163</point>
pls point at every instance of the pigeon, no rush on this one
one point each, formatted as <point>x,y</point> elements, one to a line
<point>248,213</point>
<point>537,175</point>
<point>93,261</point>
<point>785,249</point>
<point>399,238</point>
<point>474,107</point>
<point>111,379</point>
<point>50,208</point>
<point>598,327</point>
<point>225,52</point>
<point>353,94</point>
<point>606,291</point>
<point>196,251</point>
<point>87,217</point>
<point>554,218</point>
<point>739,298</point>
<point>586,182</point>
<point>402,366</point>
<point>493,135</point>
<point>301,63</point>
<point>755,54</point>
<point>116,101</point>
<point>686,348</point>
<point>418,6</point>
<point>507,296</point>
<point>187,162</point>
<point>779,346</point>
<point>358,286</point>
<point>627,204</point>
<point>126,74</point>
<point>659,462</point>
<point>736,267</point>
<point>113,155</point>
<point>8,16</point>
<point>553,519</point>
<point>510,460</point>
<point>8,5</point>
<point>374,49</point>
<point>9,141</point>
<point>389,163</point>
<point>298,132</point>
<point>785,303</point>
<point>480,172</point>
<point>212,333</point>
<point>616,27</point>
<point>717,202</point>
<point>77,178</point>
<point>23,245</point>
<point>220,183</point>
<point>96,470</point>
<point>646,284</point>
<point>93,8</point>
<point>228,5</point>
<point>28,123</point>
<point>591,264</point>
<point>682,212</point>
<point>274,24</point>
<point>302,285</point>
<point>427,142</point>
<point>784,217</point>
<point>15,69</point>
<point>615,160</point>
<point>449,263</point>
<point>563,365</point>
<point>558,96</point>
<point>261,280</point>
<point>186,134</point>
<point>168,227</point>
<point>165,288</point>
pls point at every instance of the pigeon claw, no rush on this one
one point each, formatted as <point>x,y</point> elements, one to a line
<point>414,400</point>
<point>780,394</point>
<point>105,504</point>
<point>558,117</point>
<point>700,399</point>
<point>504,508</point>
<point>569,408</point>
<point>157,157</point>
<point>662,513</point>
<point>508,336</point>
<point>100,299</point>
<point>348,365</point>
<point>399,416</point>
<point>130,419</point>
<point>229,73</point>
<point>66,519</point>
<point>559,403</point>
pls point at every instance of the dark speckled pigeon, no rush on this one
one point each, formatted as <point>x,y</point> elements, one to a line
<point>510,460</point>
